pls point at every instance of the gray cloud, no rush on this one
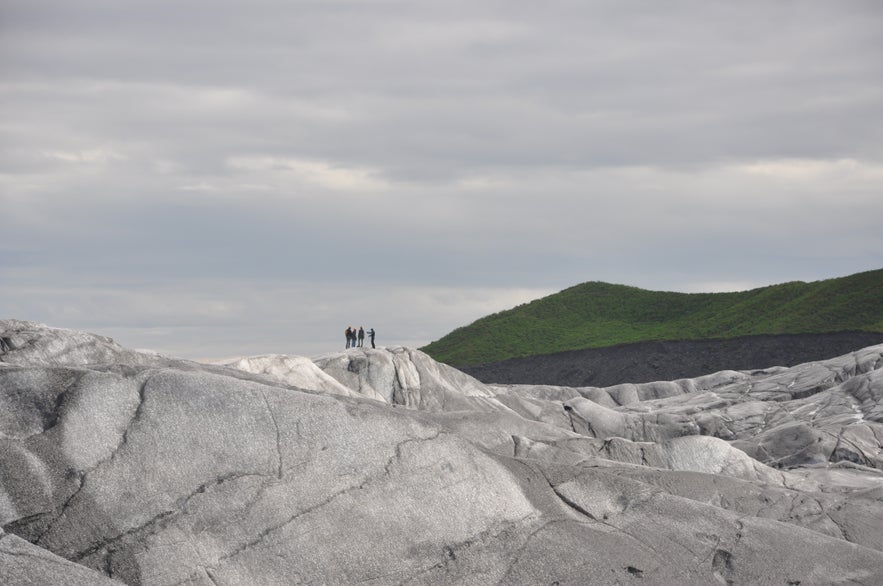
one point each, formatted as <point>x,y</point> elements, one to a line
<point>170,170</point>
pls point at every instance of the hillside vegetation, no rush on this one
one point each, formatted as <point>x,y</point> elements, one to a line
<point>596,314</point>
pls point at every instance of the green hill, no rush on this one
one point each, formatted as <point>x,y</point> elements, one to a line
<point>595,314</point>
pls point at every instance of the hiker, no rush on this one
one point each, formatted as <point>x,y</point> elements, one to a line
<point>371,335</point>
<point>361,336</point>
<point>349,337</point>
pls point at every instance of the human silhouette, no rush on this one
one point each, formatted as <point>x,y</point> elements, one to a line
<point>371,335</point>
<point>361,336</point>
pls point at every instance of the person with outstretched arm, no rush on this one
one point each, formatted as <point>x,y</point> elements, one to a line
<point>371,335</point>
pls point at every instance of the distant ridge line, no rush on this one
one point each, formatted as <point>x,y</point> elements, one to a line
<point>597,315</point>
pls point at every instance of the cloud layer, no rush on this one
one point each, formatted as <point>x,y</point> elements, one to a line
<point>212,179</point>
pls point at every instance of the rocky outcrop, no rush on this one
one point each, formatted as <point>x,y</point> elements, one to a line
<point>383,467</point>
<point>31,343</point>
<point>410,378</point>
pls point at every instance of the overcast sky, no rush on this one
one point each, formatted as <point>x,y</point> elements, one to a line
<point>219,178</point>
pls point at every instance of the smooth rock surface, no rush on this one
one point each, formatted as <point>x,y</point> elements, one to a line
<point>383,467</point>
<point>24,564</point>
<point>298,371</point>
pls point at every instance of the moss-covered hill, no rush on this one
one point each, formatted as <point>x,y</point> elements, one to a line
<point>595,314</point>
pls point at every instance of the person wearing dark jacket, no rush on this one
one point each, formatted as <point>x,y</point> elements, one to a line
<point>361,336</point>
<point>371,335</point>
<point>349,337</point>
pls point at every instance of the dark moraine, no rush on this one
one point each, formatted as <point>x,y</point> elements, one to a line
<point>669,360</point>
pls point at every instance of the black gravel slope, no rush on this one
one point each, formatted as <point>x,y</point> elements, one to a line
<point>670,360</point>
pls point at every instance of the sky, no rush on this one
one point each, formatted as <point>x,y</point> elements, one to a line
<point>211,179</point>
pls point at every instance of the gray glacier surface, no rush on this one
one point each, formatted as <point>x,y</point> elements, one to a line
<point>385,467</point>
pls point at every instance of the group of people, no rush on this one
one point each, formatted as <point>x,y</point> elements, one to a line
<point>356,338</point>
